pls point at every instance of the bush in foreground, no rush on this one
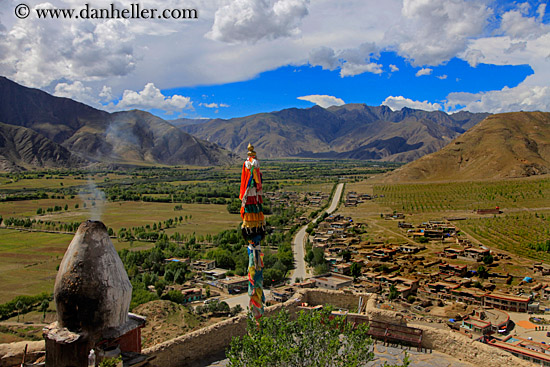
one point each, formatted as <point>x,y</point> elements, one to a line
<point>313,339</point>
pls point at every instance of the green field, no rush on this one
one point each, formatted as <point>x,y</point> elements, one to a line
<point>440,197</point>
<point>523,233</point>
<point>29,259</point>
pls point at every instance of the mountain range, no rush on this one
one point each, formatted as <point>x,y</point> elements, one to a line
<point>515,144</point>
<point>354,131</point>
<point>40,130</point>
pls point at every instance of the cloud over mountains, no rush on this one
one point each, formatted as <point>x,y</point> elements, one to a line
<point>130,63</point>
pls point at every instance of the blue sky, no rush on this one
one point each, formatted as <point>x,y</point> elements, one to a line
<point>248,56</point>
<point>279,89</point>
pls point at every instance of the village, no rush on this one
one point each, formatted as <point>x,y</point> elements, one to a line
<point>439,277</point>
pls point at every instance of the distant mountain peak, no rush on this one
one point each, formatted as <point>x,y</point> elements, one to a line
<point>352,130</point>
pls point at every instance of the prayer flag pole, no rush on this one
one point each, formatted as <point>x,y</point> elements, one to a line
<point>253,229</point>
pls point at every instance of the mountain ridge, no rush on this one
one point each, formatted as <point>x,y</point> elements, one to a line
<point>355,131</point>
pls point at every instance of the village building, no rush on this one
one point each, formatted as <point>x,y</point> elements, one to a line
<point>203,265</point>
<point>503,301</point>
<point>476,254</point>
<point>344,268</point>
<point>282,294</point>
<point>192,294</point>
<point>178,260</point>
<point>472,296</point>
<point>486,321</point>
<point>542,269</point>
<point>459,270</point>
<point>410,249</point>
<point>452,252</point>
<point>333,281</point>
<point>525,349</point>
<point>215,274</point>
<point>234,284</point>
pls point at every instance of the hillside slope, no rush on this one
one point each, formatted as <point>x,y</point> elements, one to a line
<point>134,137</point>
<point>21,148</point>
<point>507,145</point>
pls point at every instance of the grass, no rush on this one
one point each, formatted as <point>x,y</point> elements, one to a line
<point>452,196</point>
<point>29,262</point>
<point>518,232</point>
<point>206,218</point>
<point>28,208</point>
<point>30,259</point>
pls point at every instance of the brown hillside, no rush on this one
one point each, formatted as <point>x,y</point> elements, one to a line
<point>507,145</point>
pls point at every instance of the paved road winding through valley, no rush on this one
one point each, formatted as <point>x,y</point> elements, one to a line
<point>298,244</point>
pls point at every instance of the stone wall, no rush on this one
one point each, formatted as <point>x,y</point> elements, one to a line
<point>207,343</point>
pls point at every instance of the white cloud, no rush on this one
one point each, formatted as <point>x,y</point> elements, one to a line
<point>517,25</point>
<point>522,97</point>
<point>76,91</point>
<point>351,61</point>
<point>350,69</point>
<point>393,68</point>
<point>442,77</point>
<point>106,93</point>
<point>424,71</point>
<point>37,52</point>
<point>398,102</point>
<point>323,100</point>
<point>248,37</point>
<point>525,41</point>
<point>324,57</point>
<point>541,10</point>
<point>517,46</point>
<point>473,57</point>
<point>213,105</point>
<point>254,20</point>
<point>433,31</point>
<point>152,98</point>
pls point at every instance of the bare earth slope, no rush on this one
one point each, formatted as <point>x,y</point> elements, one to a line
<point>507,145</point>
<point>21,148</point>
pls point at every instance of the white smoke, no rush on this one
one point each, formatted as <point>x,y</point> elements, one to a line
<point>94,198</point>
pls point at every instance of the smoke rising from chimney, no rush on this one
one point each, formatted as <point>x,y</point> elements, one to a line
<point>97,197</point>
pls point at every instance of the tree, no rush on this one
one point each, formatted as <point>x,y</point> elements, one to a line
<point>159,287</point>
<point>235,310</point>
<point>393,292</point>
<point>43,308</point>
<point>482,272</point>
<point>488,259</point>
<point>355,270</point>
<point>19,306</point>
<point>346,255</point>
<point>313,339</point>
